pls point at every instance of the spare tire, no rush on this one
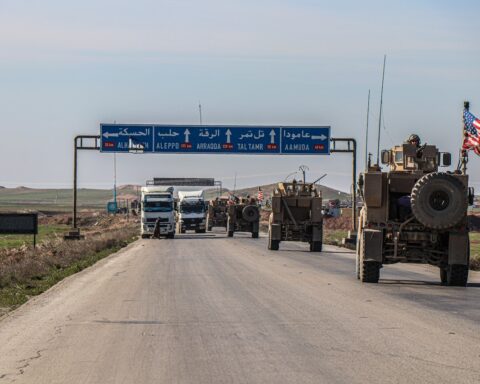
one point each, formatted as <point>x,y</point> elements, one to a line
<point>439,200</point>
<point>250,213</point>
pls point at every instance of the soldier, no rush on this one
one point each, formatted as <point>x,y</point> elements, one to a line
<point>414,139</point>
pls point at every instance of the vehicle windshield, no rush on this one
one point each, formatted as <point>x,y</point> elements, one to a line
<point>196,207</point>
<point>156,204</point>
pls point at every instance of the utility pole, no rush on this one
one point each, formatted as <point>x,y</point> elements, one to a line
<point>303,169</point>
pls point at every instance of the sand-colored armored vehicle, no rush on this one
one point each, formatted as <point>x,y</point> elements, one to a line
<point>217,213</point>
<point>296,215</point>
<point>243,216</point>
<point>413,213</point>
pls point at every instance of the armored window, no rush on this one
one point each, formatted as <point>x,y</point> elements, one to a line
<point>399,157</point>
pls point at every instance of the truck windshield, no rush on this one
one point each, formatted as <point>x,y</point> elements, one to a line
<point>192,207</point>
<point>156,205</point>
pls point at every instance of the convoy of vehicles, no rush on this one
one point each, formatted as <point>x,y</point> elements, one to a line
<point>157,205</point>
<point>413,213</point>
<point>296,216</point>
<point>191,212</point>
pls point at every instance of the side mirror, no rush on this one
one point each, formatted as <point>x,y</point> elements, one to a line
<point>385,157</point>
<point>446,159</point>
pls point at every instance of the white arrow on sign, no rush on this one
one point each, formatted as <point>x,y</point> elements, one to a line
<point>321,137</point>
<point>272,136</point>
<point>229,135</point>
<point>187,135</point>
<point>110,134</point>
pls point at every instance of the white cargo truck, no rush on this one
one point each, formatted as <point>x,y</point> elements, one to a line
<point>191,211</point>
<point>158,204</point>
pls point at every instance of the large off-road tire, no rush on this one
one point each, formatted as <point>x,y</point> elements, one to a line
<point>171,235</point>
<point>369,270</point>
<point>316,246</point>
<point>273,245</point>
<point>250,213</point>
<point>230,233</point>
<point>439,200</point>
<point>254,235</point>
<point>457,275</point>
<point>144,236</point>
<point>358,254</point>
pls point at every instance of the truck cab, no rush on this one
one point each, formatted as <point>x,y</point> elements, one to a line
<point>191,212</point>
<point>157,203</point>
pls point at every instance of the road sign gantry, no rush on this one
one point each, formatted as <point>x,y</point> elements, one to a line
<point>313,140</point>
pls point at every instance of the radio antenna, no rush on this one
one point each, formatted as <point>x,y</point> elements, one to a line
<point>381,106</point>
<point>366,133</point>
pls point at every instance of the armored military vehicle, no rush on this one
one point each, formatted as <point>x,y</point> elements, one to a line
<point>217,213</point>
<point>413,213</point>
<point>296,215</point>
<point>243,216</point>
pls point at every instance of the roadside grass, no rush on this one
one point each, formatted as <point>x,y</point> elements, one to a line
<point>45,232</point>
<point>334,236</point>
<point>25,273</point>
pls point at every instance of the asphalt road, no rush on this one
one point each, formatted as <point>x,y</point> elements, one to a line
<point>209,309</point>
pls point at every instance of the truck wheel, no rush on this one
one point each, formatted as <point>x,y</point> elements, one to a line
<point>457,275</point>
<point>316,246</point>
<point>250,213</point>
<point>369,270</point>
<point>209,229</point>
<point>254,235</point>
<point>182,230</point>
<point>171,235</point>
<point>273,245</point>
<point>230,233</point>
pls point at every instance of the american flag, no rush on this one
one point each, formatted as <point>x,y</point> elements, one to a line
<point>472,132</point>
<point>260,195</point>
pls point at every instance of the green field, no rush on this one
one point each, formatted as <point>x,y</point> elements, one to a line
<point>44,232</point>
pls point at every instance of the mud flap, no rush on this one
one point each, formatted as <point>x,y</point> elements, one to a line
<point>373,245</point>
<point>458,248</point>
<point>255,227</point>
<point>276,232</point>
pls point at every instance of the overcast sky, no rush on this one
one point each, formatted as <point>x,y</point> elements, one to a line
<point>66,67</point>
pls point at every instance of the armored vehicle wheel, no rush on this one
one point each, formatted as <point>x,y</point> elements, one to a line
<point>230,233</point>
<point>209,229</point>
<point>250,213</point>
<point>145,236</point>
<point>316,246</point>
<point>273,245</point>
<point>369,270</point>
<point>457,275</point>
<point>171,235</point>
<point>200,231</point>
<point>439,200</point>
<point>254,235</point>
<point>182,231</point>
<point>358,253</point>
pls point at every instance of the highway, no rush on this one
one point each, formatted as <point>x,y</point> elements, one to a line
<point>206,309</point>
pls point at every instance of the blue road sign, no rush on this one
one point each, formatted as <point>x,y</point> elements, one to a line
<point>215,139</point>
<point>123,138</point>
<point>306,140</point>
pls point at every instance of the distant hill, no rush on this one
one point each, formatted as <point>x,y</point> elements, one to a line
<point>24,198</point>
<point>327,192</point>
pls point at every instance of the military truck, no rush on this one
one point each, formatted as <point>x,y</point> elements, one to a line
<point>296,215</point>
<point>217,213</point>
<point>243,216</point>
<point>413,213</point>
